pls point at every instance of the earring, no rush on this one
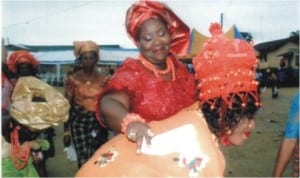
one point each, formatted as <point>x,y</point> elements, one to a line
<point>225,140</point>
<point>229,132</point>
<point>251,124</point>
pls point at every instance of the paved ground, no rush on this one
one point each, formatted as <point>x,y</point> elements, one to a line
<point>59,166</point>
<point>253,159</point>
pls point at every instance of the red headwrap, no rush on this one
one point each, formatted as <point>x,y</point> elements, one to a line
<point>225,66</point>
<point>144,10</point>
<point>21,56</point>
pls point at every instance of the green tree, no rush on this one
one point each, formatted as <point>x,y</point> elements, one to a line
<point>294,33</point>
<point>247,36</point>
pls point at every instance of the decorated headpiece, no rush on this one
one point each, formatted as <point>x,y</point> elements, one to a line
<point>21,56</point>
<point>81,47</point>
<point>52,110</point>
<point>145,10</point>
<point>224,67</point>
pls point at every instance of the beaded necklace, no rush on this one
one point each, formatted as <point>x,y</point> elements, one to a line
<point>170,67</point>
<point>88,79</point>
<point>20,155</point>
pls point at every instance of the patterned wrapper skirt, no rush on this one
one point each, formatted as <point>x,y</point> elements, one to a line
<point>87,134</point>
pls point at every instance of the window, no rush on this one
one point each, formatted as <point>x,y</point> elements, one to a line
<point>297,60</point>
<point>264,57</point>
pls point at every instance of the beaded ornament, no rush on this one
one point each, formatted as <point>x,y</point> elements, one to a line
<point>20,154</point>
<point>226,66</point>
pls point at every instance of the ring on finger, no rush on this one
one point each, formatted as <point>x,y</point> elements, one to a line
<point>150,133</point>
<point>131,135</point>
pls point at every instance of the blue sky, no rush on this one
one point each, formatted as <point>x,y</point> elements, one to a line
<point>53,22</point>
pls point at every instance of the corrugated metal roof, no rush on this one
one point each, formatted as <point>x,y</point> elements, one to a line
<point>65,54</point>
<point>32,48</point>
<point>273,45</point>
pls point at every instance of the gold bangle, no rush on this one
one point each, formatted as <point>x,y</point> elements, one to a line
<point>66,133</point>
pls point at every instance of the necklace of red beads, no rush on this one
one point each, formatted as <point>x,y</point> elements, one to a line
<point>20,155</point>
<point>170,67</point>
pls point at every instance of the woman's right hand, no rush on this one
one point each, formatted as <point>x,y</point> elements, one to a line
<point>67,140</point>
<point>137,132</point>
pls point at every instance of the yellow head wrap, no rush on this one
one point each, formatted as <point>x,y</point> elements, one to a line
<point>81,47</point>
<point>38,115</point>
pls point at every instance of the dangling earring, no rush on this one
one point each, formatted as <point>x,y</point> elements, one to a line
<point>229,132</point>
<point>225,140</point>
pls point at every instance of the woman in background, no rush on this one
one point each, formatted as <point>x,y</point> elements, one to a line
<point>6,83</point>
<point>82,89</point>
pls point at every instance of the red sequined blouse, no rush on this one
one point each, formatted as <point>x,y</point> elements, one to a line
<point>152,97</point>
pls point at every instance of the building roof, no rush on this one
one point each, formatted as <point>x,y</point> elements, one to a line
<point>273,45</point>
<point>55,54</point>
<point>32,48</point>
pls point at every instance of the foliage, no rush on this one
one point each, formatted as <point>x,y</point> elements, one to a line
<point>247,36</point>
<point>294,33</point>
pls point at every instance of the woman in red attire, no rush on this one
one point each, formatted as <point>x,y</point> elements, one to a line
<point>144,91</point>
<point>155,85</point>
<point>187,143</point>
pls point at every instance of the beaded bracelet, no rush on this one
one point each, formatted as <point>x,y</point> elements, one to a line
<point>130,117</point>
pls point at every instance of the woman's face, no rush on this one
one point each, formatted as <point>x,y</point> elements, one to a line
<point>88,60</point>
<point>154,41</point>
<point>241,132</point>
<point>25,69</point>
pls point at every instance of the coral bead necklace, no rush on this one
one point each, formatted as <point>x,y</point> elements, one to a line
<point>20,155</point>
<point>170,67</point>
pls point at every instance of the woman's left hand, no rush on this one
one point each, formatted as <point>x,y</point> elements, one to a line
<point>137,132</point>
<point>35,144</point>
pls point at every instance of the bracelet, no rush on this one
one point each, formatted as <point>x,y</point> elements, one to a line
<point>66,133</point>
<point>130,117</point>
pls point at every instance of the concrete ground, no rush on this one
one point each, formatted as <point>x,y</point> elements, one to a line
<point>59,166</point>
<point>255,158</point>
